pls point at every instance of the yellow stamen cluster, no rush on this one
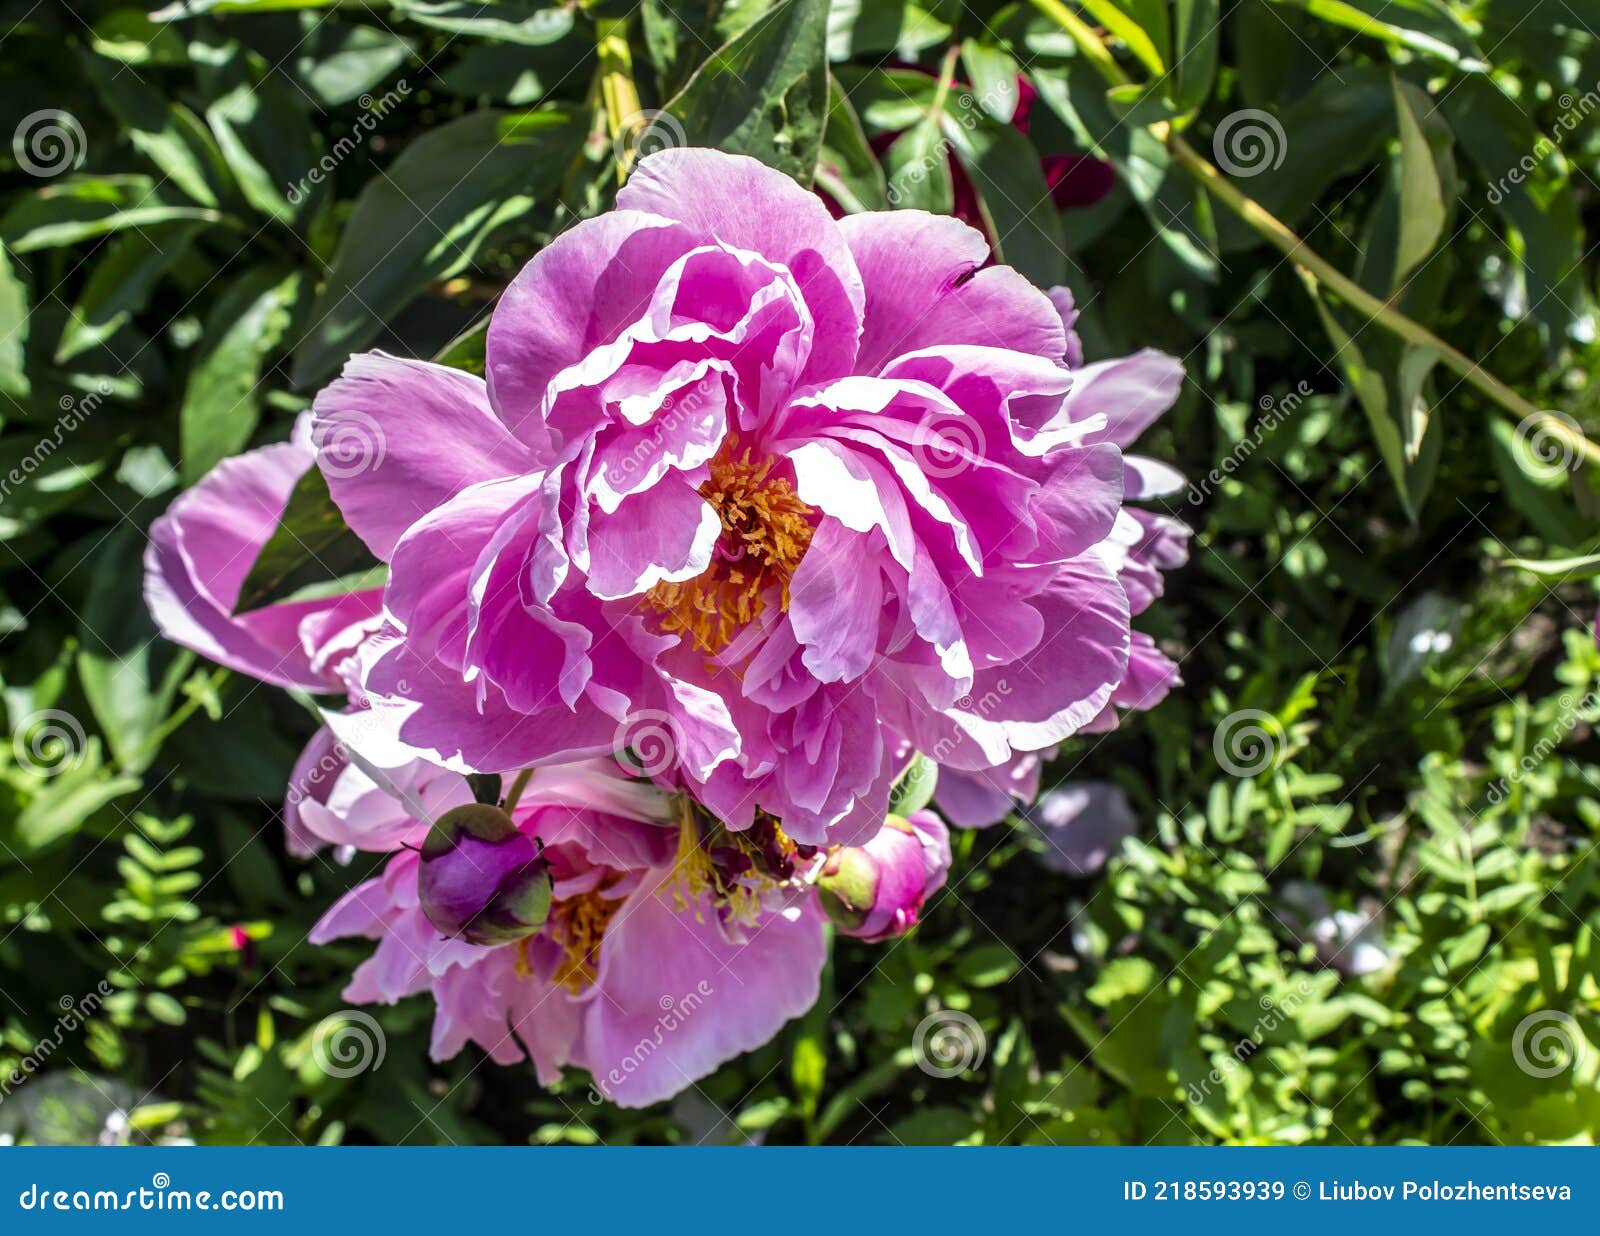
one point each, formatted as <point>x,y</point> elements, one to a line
<point>766,530</point>
<point>734,869</point>
<point>577,925</point>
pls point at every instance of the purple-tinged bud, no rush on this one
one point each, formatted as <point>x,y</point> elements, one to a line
<point>876,891</point>
<point>481,880</point>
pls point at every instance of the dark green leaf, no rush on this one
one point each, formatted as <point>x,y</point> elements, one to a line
<point>311,545</point>
<point>424,219</point>
<point>13,330</point>
<point>1016,204</point>
<point>83,208</point>
<point>847,170</point>
<point>222,403</point>
<point>120,284</point>
<point>765,92</point>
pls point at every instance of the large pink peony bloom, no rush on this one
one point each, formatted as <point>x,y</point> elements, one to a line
<point>202,549</point>
<point>655,966</point>
<point>779,490</point>
<point>1123,397</point>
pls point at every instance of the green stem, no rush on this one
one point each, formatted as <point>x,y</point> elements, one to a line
<point>517,786</point>
<point>617,88</point>
<point>1283,238</point>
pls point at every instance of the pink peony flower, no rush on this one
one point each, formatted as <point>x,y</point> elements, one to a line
<point>771,493</point>
<point>657,963</point>
<point>202,549</point>
<point>876,891</point>
<point>1082,825</point>
<point>336,800</point>
<point>1127,394</point>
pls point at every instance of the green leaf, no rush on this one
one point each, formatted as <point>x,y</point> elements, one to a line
<point>120,285</point>
<point>1529,186</point>
<point>765,92</point>
<point>222,402</point>
<point>69,798</point>
<point>13,331</point>
<point>1178,210</point>
<point>1422,206</point>
<point>1535,486</point>
<point>267,141</point>
<point>847,170</point>
<point>1582,567</point>
<point>1339,126</point>
<point>1141,24</point>
<point>168,134</point>
<point>1195,26</point>
<point>528,23</point>
<point>83,208</point>
<point>904,27</point>
<point>337,62</point>
<point>918,168</point>
<point>311,544</point>
<point>993,74</point>
<point>511,75</point>
<point>1425,26</point>
<point>425,218</point>
<point>130,675</point>
<point>1012,195</point>
<point>1395,408</point>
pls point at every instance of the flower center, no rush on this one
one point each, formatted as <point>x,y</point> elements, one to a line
<point>766,530</point>
<point>577,925</point>
<point>735,868</point>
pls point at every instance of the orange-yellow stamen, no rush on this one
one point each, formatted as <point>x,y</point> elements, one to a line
<point>577,925</point>
<point>766,530</point>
